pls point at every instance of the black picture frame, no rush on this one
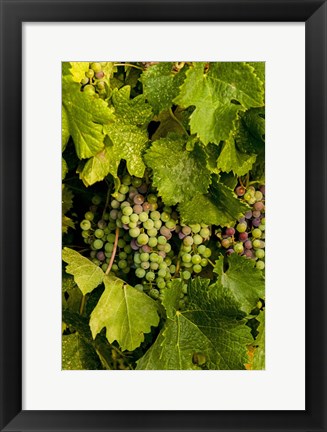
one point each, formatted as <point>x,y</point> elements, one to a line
<point>13,14</point>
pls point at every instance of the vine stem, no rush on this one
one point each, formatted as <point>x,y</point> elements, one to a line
<point>113,252</point>
<point>107,202</point>
<point>82,305</point>
<point>210,262</point>
<point>128,64</point>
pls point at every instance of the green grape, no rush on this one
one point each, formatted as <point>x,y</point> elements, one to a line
<point>152,232</point>
<point>111,238</point>
<point>168,261</point>
<point>260,253</point>
<point>134,232</point>
<point>97,244</point>
<point>120,197</point>
<point>247,196</point>
<point>121,243</point>
<point>196,228</point>
<point>186,248</point>
<point>86,234</point>
<point>154,266</point>
<point>152,242</point>
<point>137,258</point>
<point>126,180</point>
<point>125,220</point>
<point>197,239</point>
<point>145,256</point>
<point>197,268</point>
<point>186,275</point>
<point>184,289</point>
<point>132,225</point>
<point>196,259</point>
<point>108,247</point>
<point>154,257</point>
<point>127,211</point>
<point>122,264</point>
<point>127,249</point>
<point>186,258</point>
<point>89,89</point>
<point>162,272</point>
<point>152,199</point>
<point>155,215</point>
<point>96,261</point>
<point>260,265</point>
<point>148,224</point>
<point>142,239</point>
<point>150,276</point>
<point>257,233</point>
<point>171,224</point>
<point>157,224</point>
<point>238,248</point>
<point>134,217</point>
<point>172,269</point>
<point>145,265</point>
<point>188,265</point>
<point>104,267</point>
<point>136,182</point>
<point>96,67</point>
<point>258,195</point>
<point>161,284</point>
<point>204,262</point>
<point>115,204</point>
<point>115,267</point>
<point>85,224</point>
<point>99,233</point>
<point>188,241</point>
<point>89,216</point>
<point>122,255</point>
<point>207,253</point>
<point>167,248</point>
<point>101,85</point>
<point>84,81</point>
<point>205,233</point>
<point>123,189</point>
<point>154,293</point>
<point>201,249</point>
<point>165,216</point>
<point>162,240</point>
<point>139,287</point>
<point>140,273</point>
<point>143,216</point>
<point>241,227</point>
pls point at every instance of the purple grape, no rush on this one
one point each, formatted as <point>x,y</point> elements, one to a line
<point>240,191</point>
<point>256,222</point>
<point>248,244</point>
<point>137,208</point>
<point>259,206</point>
<point>146,248</point>
<point>230,251</point>
<point>256,213</point>
<point>181,235</point>
<point>99,75</point>
<point>162,254</point>
<point>242,220</point>
<point>146,206</point>
<point>262,189</point>
<point>134,245</point>
<point>165,232</point>
<point>230,232</point>
<point>101,256</point>
<point>248,253</point>
<point>143,188</point>
<point>243,236</point>
<point>248,214</point>
<point>102,224</point>
<point>125,226</point>
<point>138,199</point>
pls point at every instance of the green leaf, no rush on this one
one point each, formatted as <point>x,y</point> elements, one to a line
<point>67,203</point>
<point>66,223</point>
<point>64,168</point>
<point>231,159</point>
<point>177,173</point>
<point>211,329</point>
<point>96,168</point>
<point>167,125</point>
<point>161,85</point>
<point>77,354</point>
<point>219,95</point>
<point>259,69</point>
<point>250,133</point>
<point>243,279</point>
<point>219,207</point>
<point>78,70</point>
<point>86,274</point>
<point>125,312</point>
<point>128,134</point>
<point>85,116</point>
<point>65,134</point>
<point>259,358</point>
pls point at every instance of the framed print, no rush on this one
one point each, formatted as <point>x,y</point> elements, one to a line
<point>169,266</point>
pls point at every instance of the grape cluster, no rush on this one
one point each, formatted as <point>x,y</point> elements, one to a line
<point>93,83</point>
<point>193,255</point>
<point>247,237</point>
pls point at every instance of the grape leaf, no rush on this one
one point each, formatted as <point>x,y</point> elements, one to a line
<point>259,353</point>
<point>178,174</point>
<point>231,159</point>
<point>161,85</point>
<point>242,278</point>
<point>167,125</point>
<point>85,117</point>
<point>77,354</point>
<point>78,70</point>
<point>65,134</point>
<point>128,134</point>
<point>64,168</point>
<point>219,95</point>
<point>66,222</point>
<point>67,203</point>
<point>96,168</point>
<point>218,207</point>
<point>86,274</point>
<point>125,312</point>
<point>250,132</point>
<point>212,328</point>
<point>259,69</point>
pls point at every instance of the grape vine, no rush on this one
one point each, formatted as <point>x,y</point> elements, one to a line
<point>163,215</point>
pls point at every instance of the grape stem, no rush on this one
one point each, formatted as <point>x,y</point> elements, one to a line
<point>113,252</point>
<point>128,64</point>
<point>82,305</point>
<point>210,262</point>
<point>107,202</point>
